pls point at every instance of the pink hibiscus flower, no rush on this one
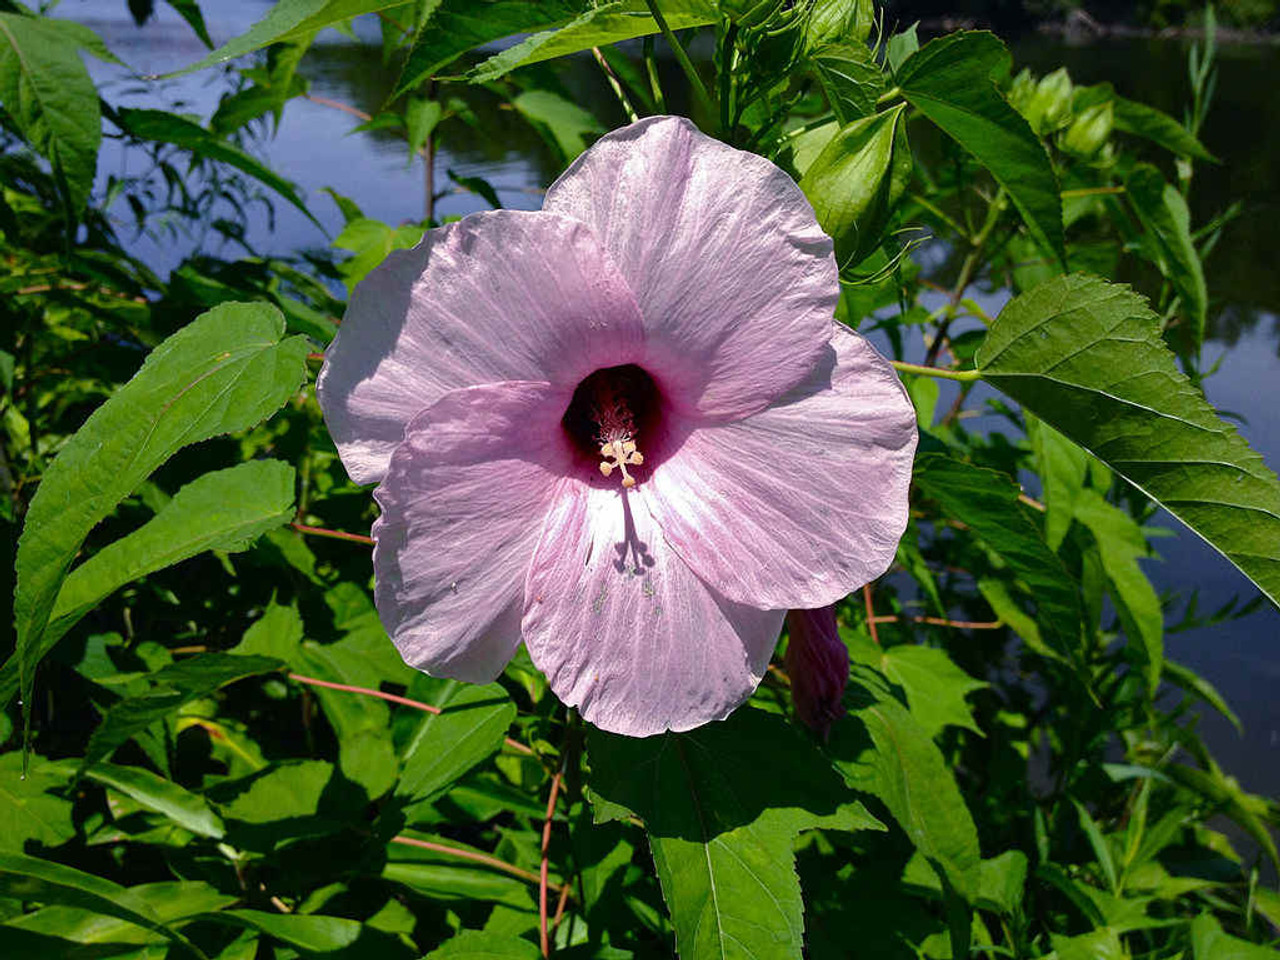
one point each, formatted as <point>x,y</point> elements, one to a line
<point>623,429</point>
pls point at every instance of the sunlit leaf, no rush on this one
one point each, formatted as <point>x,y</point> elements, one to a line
<point>28,811</point>
<point>722,806</point>
<point>471,725</point>
<point>226,371</point>
<point>187,809</point>
<point>1086,357</point>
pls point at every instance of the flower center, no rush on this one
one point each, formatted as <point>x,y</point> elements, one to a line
<point>610,412</point>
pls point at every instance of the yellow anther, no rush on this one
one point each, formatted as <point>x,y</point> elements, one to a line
<point>620,453</point>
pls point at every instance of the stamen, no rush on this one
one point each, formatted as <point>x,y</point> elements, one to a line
<point>618,454</point>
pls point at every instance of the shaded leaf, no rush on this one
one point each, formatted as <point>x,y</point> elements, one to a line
<point>563,124</point>
<point>27,810</point>
<point>1164,213</point>
<point>949,81</point>
<point>934,686</point>
<point>722,805</point>
<point>312,933</point>
<point>1086,357</point>
<point>480,945</point>
<point>470,727</point>
<point>168,901</point>
<point>851,79</point>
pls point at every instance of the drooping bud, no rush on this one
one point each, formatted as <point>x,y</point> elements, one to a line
<point>817,662</point>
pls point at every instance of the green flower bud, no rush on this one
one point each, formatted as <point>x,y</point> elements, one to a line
<point>1090,131</point>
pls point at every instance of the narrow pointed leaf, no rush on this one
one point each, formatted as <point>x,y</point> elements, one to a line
<point>187,809</point>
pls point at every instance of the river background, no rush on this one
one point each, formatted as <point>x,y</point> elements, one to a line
<point>312,148</point>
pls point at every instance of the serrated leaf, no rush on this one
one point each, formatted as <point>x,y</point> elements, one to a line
<point>934,686</point>
<point>165,127</point>
<point>174,686</point>
<point>187,809</point>
<point>50,97</point>
<point>226,371</point>
<point>597,26</point>
<point>1086,357</point>
<point>453,27</point>
<point>286,21</point>
<point>223,510</point>
<point>882,750</point>
<point>470,727</point>
<point>1165,215</point>
<point>949,81</point>
<point>27,810</point>
<point>987,502</point>
<point>722,805</point>
<point>29,878</point>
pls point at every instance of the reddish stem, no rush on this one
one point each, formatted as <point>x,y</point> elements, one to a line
<point>484,858</point>
<point>871,613</point>
<point>332,534</point>
<point>940,622</point>
<point>542,876</point>
<point>393,698</point>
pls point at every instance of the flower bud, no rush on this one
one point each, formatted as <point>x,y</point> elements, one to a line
<point>750,13</point>
<point>1090,131</point>
<point>817,662</point>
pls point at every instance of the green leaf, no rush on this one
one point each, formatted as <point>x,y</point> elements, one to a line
<point>1086,356</point>
<point>1210,942</point>
<point>882,750</point>
<point>188,810</point>
<point>421,116</point>
<point>168,901</point>
<point>1101,850</point>
<point>723,805</point>
<point>1164,214</point>
<point>987,502</point>
<point>226,371</point>
<point>1193,683</point>
<point>1141,120</point>
<point>223,510</point>
<point>450,882</point>
<point>597,26</point>
<point>166,127</point>
<point>29,878</point>
<point>452,27</point>
<point>175,685</point>
<point>1002,882</point>
<point>286,21</point>
<point>371,241</point>
<point>1121,544</point>
<point>563,124</point>
<point>857,180</point>
<point>311,933</point>
<point>901,46</point>
<point>287,790</point>
<point>839,22</point>
<point>1101,944</point>
<point>189,10</point>
<point>1062,467</point>
<point>51,99</point>
<point>851,78</point>
<point>479,945</point>
<point>27,810</point>
<point>470,727</point>
<point>934,686</point>
<point>949,81</point>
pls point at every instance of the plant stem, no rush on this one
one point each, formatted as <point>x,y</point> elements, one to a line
<point>332,534</point>
<point>690,71</point>
<point>871,613</point>
<point>941,622</point>
<point>655,83</point>
<point>614,83</point>
<point>543,868</point>
<point>964,376</point>
<point>486,859</point>
<point>726,79</point>
<point>393,698</point>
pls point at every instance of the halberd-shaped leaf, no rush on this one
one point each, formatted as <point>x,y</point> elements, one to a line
<point>723,805</point>
<point>226,371</point>
<point>949,81</point>
<point>1086,357</point>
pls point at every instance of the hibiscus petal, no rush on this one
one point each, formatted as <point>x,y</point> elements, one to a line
<point>504,295</point>
<point>462,505</point>
<point>622,628</point>
<point>736,279</point>
<point>805,501</point>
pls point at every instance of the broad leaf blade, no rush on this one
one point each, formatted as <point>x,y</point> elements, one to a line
<point>28,811</point>
<point>723,805</point>
<point>1086,357</point>
<point>949,80</point>
<point>226,371</point>
<point>470,727</point>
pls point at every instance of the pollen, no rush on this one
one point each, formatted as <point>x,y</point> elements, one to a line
<point>618,454</point>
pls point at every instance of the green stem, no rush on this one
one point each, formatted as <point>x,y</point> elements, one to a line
<point>655,83</point>
<point>699,89</point>
<point>612,77</point>
<point>888,95</point>
<point>964,376</point>
<point>726,80</point>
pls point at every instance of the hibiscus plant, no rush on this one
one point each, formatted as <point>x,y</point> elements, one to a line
<point>625,574</point>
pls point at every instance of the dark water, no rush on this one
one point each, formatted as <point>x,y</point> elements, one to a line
<point>312,149</point>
